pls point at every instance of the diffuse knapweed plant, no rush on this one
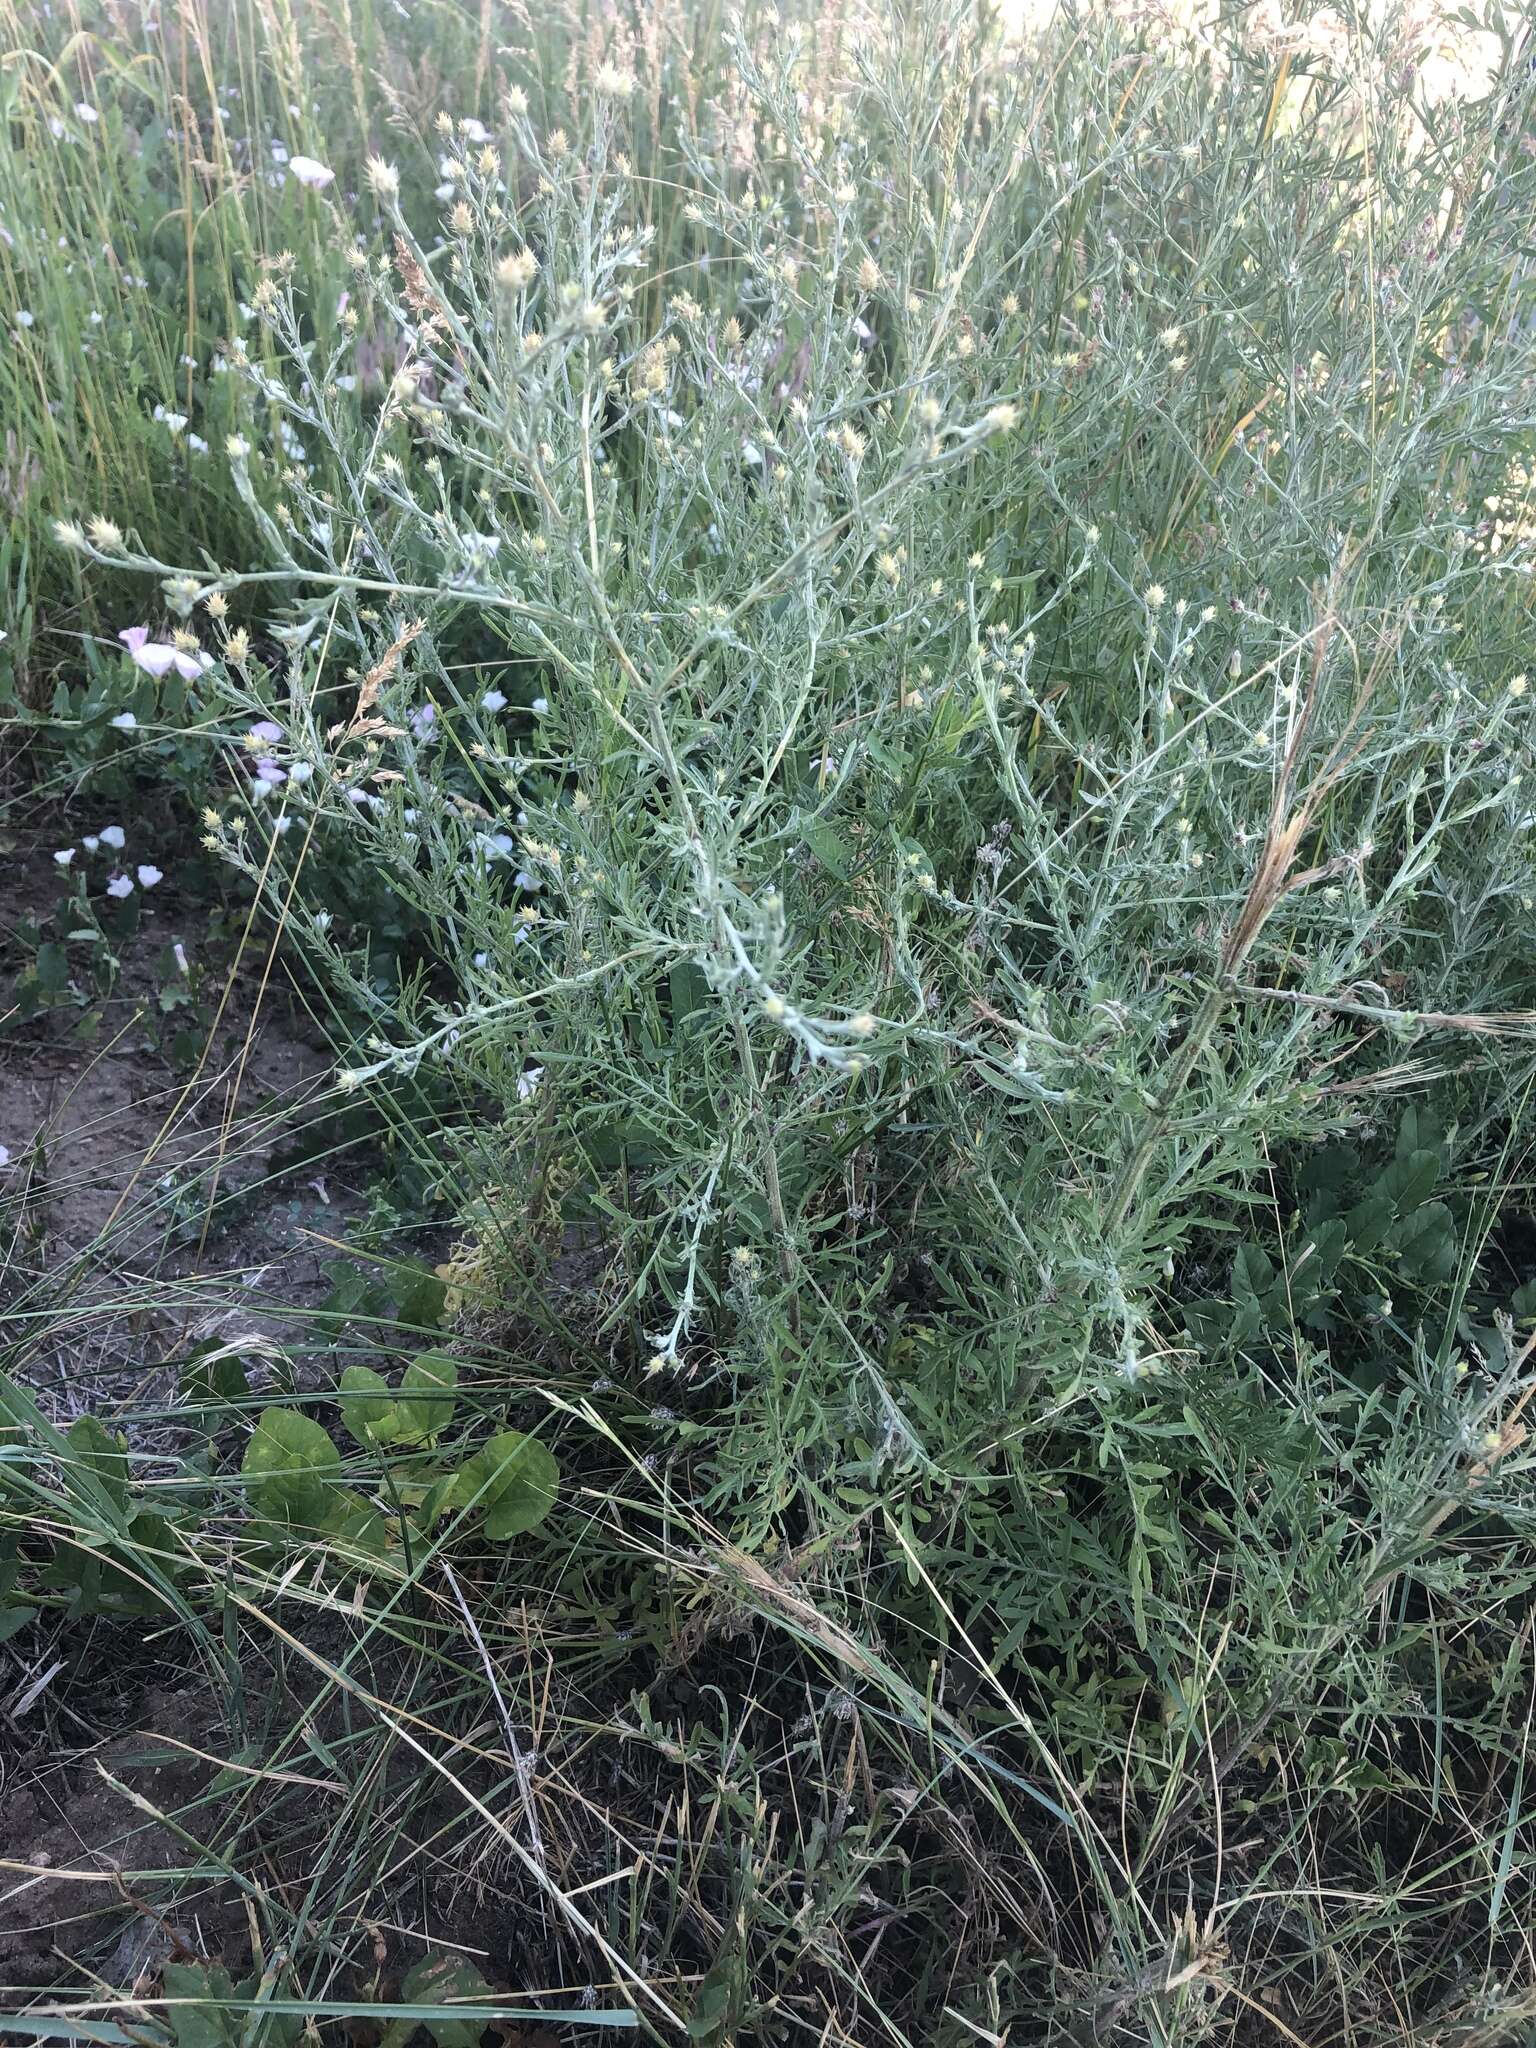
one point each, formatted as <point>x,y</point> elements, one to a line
<point>939,713</point>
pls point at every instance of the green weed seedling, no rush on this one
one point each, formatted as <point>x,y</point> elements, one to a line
<point>296,1481</point>
<point>77,1532</point>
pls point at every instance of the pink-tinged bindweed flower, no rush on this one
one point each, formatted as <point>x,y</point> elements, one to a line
<point>315,175</point>
<point>120,886</point>
<point>159,657</point>
<point>266,732</point>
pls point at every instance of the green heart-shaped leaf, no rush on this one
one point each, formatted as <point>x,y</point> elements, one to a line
<point>512,1480</point>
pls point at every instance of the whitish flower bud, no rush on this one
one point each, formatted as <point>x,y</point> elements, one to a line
<point>516,272</point>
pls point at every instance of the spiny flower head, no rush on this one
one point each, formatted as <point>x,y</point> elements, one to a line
<point>515,272</point>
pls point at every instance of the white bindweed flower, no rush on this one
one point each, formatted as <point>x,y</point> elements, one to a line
<point>159,657</point>
<point>119,886</point>
<point>494,700</point>
<point>149,877</point>
<point>308,172</point>
<point>113,836</point>
<point>64,856</point>
<point>539,706</point>
<point>124,722</point>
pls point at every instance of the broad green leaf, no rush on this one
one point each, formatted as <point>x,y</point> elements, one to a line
<point>212,1378</point>
<point>52,967</point>
<point>357,1526</point>
<point>94,1449</point>
<point>1410,1181</point>
<point>512,1480</point>
<point>829,847</point>
<point>1428,1245</point>
<point>368,1407</point>
<point>427,1398</point>
<point>421,1295</point>
<point>1252,1271</point>
<point>291,1462</point>
<point>1368,1222</point>
<point>441,1980</point>
<point>201,2021</point>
